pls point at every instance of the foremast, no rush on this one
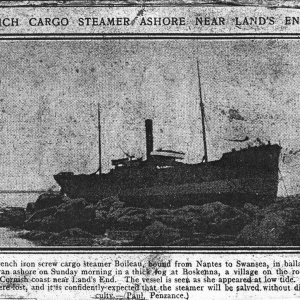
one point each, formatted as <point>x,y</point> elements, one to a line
<point>205,157</point>
<point>99,139</point>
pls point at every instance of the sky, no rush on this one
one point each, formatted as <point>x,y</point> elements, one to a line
<point>50,90</point>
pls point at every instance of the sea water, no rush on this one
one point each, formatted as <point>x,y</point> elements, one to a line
<point>9,237</point>
<point>17,199</point>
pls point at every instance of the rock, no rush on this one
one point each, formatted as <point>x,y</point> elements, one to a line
<point>74,213</point>
<point>112,240</point>
<point>35,235</point>
<point>218,240</point>
<point>71,237</point>
<point>41,220</point>
<point>12,217</point>
<point>107,203</point>
<point>293,235</point>
<point>49,199</point>
<point>224,219</point>
<point>219,210</point>
<point>127,218</point>
<point>251,210</point>
<point>123,235</point>
<point>45,223</point>
<point>75,233</point>
<point>115,206</point>
<point>163,215</point>
<point>98,224</point>
<point>89,211</point>
<point>78,222</point>
<point>283,203</point>
<point>189,218</point>
<point>213,217</point>
<point>270,231</point>
<point>157,234</point>
<point>106,242</point>
<point>189,225</point>
<point>42,213</point>
<point>30,208</point>
<point>276,225</point>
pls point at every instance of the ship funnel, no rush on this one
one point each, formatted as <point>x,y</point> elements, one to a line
<point>149,137</point>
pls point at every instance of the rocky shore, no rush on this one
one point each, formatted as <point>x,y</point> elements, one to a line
<point>57,220</point>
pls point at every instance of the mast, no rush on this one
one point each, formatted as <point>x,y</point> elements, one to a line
<point>149,138</point>
<point>99,139</point>
<point>205,157</point>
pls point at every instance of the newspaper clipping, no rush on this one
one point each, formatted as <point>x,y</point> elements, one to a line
<point>149,150</point>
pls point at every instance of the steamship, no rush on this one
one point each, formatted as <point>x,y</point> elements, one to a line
<point>163,180</point>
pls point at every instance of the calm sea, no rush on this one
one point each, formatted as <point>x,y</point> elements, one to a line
<point>17,200</point>
<point>10,237</point>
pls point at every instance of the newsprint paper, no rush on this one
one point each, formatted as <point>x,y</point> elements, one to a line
<point>149,150</point>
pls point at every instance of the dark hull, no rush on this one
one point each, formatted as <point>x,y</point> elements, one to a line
<point>174,201</point>
<point>249,175</point>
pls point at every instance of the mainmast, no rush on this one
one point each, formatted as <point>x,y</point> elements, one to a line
<point>205,157</point>
<point>99,138</point>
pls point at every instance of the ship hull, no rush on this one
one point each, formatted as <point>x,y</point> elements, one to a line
<point>259,191</point>
<point>246,176</point>
<point>175,201</point>
<point>236,192</point>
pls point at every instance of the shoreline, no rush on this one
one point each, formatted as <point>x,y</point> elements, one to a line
<point>56,220</point>
<point>10,238</point>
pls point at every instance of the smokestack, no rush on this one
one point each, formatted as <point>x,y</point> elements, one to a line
<point>149,137</point>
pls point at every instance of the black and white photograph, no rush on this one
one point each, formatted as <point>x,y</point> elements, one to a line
<point>149,149</point>
<point>147,142</point>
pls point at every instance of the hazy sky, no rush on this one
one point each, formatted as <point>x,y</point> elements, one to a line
<point>49,92</point>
